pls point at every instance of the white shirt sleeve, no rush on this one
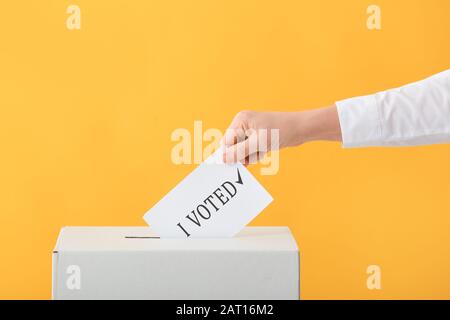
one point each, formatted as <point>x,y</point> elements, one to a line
<point>415,114</point>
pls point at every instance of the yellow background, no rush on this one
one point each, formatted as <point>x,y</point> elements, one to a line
<point>86,118</point>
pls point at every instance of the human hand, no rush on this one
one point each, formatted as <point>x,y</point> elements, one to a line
<point>251,134</point>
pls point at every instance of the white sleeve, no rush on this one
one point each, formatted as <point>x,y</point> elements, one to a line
<point>415,114</point>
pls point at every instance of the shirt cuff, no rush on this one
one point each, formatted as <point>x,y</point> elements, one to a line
<point>360,122</point>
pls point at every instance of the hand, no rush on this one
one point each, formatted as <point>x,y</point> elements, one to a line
<point>251,134</point>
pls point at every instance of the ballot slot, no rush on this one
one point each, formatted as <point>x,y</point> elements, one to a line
<point>135,237</point>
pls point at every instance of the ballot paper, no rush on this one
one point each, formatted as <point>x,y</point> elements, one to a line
<point>216,200</point>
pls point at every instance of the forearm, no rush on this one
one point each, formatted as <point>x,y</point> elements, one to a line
<point>318,125</point>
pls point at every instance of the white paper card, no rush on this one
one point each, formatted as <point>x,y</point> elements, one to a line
<point>214,201</point>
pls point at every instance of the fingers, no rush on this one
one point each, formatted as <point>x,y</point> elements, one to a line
<point>256,157</point>
<point>233,136</point>
<point>237,152</point>
<point>241,141</point>
<point>252,159</point>
<point>245,151</point>
<point>236,130</point>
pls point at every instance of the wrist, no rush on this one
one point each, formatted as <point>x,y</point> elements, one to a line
<point>318,125</point>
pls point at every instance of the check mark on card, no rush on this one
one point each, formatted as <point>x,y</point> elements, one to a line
<point>214,201</point>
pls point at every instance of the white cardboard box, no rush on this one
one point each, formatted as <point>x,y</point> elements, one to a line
<point>132,263</point>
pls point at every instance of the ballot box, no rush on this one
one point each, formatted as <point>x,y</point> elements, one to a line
<point>133,263</point>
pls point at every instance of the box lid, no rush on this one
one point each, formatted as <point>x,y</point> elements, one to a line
<point>143,239</point>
